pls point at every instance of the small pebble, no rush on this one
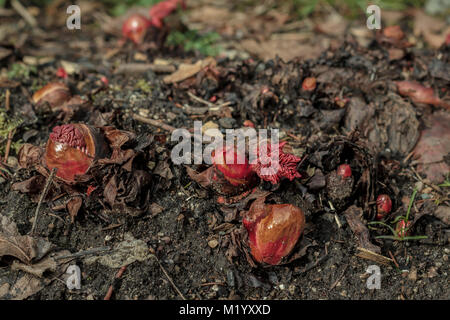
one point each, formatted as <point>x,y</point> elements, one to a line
<point>213,243</point>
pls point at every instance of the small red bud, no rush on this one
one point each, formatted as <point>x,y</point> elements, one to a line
<point>135,27</point>
<point>248,123</point>
<point>90,189</point>
<point>309,84</point>
<point>344,171</point>
<point>394,32</point>
<point>402,228</point>
<point>236,173</point>
<point>61,73</point>
<point>384,206</point>
<point>104,80</point>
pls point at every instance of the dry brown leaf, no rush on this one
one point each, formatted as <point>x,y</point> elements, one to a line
<point>186,71</point>
<point>24,248</point>
<point>431,28</point>
<point>333,25</point>
<point>33,280</point>
<point>433,146</point>
<point>352,215</point>
<point>443,213</point>
<point>73,206</point>
<point>285,49</point>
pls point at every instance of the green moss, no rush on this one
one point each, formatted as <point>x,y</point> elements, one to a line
<point>144,86</point>
<point>192,40</point>
<point>19,71</point>
<point>6,125</point>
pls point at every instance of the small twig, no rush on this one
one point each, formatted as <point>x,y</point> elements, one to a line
<point>84,253</point>
<point>41,199</point>
<point>155,123</point>
<point>393,259</point>
<point>212,284</point>
<point>24,13</point>
<point>339,278</point>
<point>7,100</point>
<point>8,144</point>
<point>112,226</point>
<point>111,287</point>
<point>198,99</point>
<point>133,68</point>
<point>169,278</point>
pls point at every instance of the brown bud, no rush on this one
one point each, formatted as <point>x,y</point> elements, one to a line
<point>55,94</point>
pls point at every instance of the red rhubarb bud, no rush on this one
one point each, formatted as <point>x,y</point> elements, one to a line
<point>275,169</point>
<point>344,171</point>
<point>384,206</point>
<point>135,27</point>
<point>309,84</point>
<point>402,228</point>
<point>273,230</point>
<point>61,73</point>
<point>234,172</point>
<point>72,148</point>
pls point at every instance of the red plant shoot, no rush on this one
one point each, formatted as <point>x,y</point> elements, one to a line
<point>273,230</point>
<point>72,149</point>
<point>384,206</point>
<point>236,172</point>
<point>285,167</point>
<point>61,73</point>
<point>344,171</point>
<point>161,10</point>
<point>402,228</point>
<point>135,27</point>
<point>309,84</point>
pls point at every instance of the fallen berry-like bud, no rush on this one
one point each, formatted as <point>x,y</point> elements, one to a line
<point>402,228</point>
<point>72,148</point>
<point>309,84</point>
<point>273,230</point>
<point>384,206</point>
<point>54,93</point>
<point>344,171</point>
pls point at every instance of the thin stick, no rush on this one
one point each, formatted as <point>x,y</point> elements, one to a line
<point>8,145</point>
<point>393,259</point>
<point>155,123</point>
<point>169,278</point>
<point>41,199</point>
<point>24,13</point>
<point>7,100</point>
<point>133,68</point>
<point>111,287</point>
<point>339,278</point>
<point>84,253</point>
<point>198,99</point>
